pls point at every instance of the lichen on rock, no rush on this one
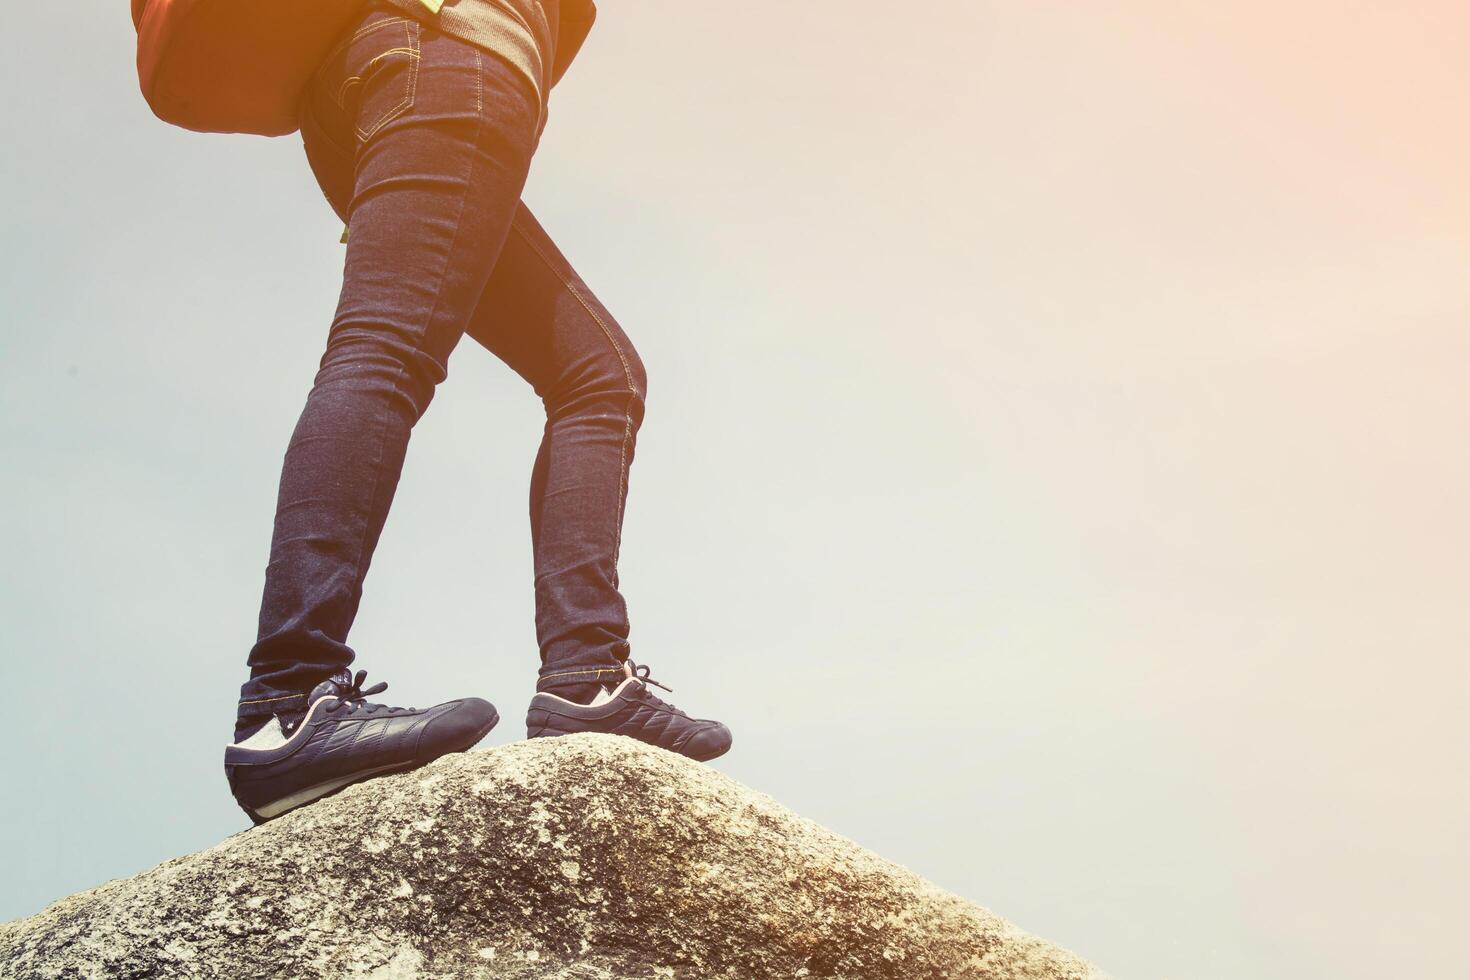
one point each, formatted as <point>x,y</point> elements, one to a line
<point>586,857</point>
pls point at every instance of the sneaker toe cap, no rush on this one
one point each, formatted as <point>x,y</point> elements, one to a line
<point>457,726</point>
<point>709,743</point>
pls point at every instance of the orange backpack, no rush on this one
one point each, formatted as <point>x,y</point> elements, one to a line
<point>239,66</point>
<point>234,66</point>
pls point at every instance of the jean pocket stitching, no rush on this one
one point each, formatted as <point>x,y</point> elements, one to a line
<point>340,96</point>
<point>362,32</point>
<point>415,57</point>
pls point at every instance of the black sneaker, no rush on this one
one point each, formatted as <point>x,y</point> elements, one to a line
<point>630,709</point>
<point>343,739</point>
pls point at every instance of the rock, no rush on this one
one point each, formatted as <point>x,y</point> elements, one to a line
<point>575,858</point>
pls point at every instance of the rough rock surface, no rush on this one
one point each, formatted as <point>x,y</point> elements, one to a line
<point>574,858</point>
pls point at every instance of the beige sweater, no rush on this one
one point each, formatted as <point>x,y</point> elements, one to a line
<point>538,39</point>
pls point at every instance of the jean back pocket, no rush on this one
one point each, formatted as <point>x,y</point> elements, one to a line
<point>371,77</point>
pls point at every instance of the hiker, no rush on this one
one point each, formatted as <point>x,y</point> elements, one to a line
<point>420,124</point>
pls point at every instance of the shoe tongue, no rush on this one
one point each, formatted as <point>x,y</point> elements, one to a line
<point>332,687</point>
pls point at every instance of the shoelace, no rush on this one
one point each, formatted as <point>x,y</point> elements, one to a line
<point>641,671</point>
<point>354,696</point>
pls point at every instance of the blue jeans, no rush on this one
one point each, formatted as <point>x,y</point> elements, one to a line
<point>422,144</point>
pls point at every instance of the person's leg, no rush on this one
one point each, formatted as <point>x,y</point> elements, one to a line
<point>539,317</point>
<point>434,137</point>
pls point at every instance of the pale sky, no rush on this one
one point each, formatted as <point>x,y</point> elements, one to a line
<point>1054,469</point>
